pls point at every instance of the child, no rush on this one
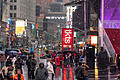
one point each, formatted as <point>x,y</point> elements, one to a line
<point>18,76</point>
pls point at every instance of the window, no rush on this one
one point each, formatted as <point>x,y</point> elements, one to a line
<point>15,0</point>
<point>11,15</point>
<point>11,7</point>
<point>11,0</point>
<point>15,7</point>
<point>14,15</point>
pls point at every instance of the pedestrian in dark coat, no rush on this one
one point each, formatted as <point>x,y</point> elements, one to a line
<point>41,73</point>
<point>32,66</point>
<point>79,72</point>
<point>2,60</point>
<point>9,61</point>
<point>19,64</point>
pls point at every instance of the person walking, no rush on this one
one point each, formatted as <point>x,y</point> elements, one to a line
<point>19,75</point>
<point>19,64</point>
<point>79,72</point>
<point>85,68</point>
<point>32,67</point>
<point>4,71</point>
<point>41,73</point>
<point>50,69</point>
<point>9,61</point>
<point>2,60</point>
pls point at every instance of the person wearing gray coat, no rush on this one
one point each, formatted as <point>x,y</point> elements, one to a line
<point>41,73</point>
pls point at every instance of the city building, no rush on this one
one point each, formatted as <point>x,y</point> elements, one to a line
<point>50,14</point>
<point>20,10</point>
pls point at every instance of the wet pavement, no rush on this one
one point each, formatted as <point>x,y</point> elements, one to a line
<point>68,73</point>
<point>63,73</point>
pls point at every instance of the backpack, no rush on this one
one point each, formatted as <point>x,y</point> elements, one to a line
<point>80,73</point>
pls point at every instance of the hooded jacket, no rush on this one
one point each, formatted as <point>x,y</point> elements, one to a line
<point>41,73</point>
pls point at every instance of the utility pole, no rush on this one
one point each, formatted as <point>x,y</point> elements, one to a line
<point>102,23</point>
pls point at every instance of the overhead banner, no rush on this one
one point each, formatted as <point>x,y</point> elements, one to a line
<point>20,28</point>
<point>67,38</point>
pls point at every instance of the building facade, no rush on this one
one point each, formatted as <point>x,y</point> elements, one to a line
<point>20,10</point>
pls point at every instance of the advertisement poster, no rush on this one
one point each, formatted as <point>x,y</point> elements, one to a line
<point>20,27</point>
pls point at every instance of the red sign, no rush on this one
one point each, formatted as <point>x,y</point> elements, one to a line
<point>67,38</point>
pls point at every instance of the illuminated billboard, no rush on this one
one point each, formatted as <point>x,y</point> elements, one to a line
<point>67,38</point>
<point>93,40</point>
<point>69,17</point>
<point>111,14</point>
<point>20,27</point>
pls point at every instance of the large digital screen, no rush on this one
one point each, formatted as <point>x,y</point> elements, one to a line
<point>111,13</point>
<point>20,27</point>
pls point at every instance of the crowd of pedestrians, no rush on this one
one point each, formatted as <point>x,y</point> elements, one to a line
<point>12,67</point>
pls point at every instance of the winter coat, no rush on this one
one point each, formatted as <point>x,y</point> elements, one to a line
<point>9,62</point>
<point>79,72</point>
<point>16,77</point>
<point>32,64</point>
<point>85,67</point>
<point>50,68</point>
<point>18,64</point>
<point>4,71</point>
<point>41,74</point>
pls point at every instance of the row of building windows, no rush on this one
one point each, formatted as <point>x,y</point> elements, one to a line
<point>13,0</point>
<point>13,7</point>
<point>12,15</point>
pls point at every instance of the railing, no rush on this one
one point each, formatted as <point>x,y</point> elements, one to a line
<point>108,45</point>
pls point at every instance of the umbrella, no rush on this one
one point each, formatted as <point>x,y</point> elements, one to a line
<point>14,52</point>
<point>2,52</point>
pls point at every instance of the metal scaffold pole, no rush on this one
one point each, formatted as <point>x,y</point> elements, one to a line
<point>85,33</point>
